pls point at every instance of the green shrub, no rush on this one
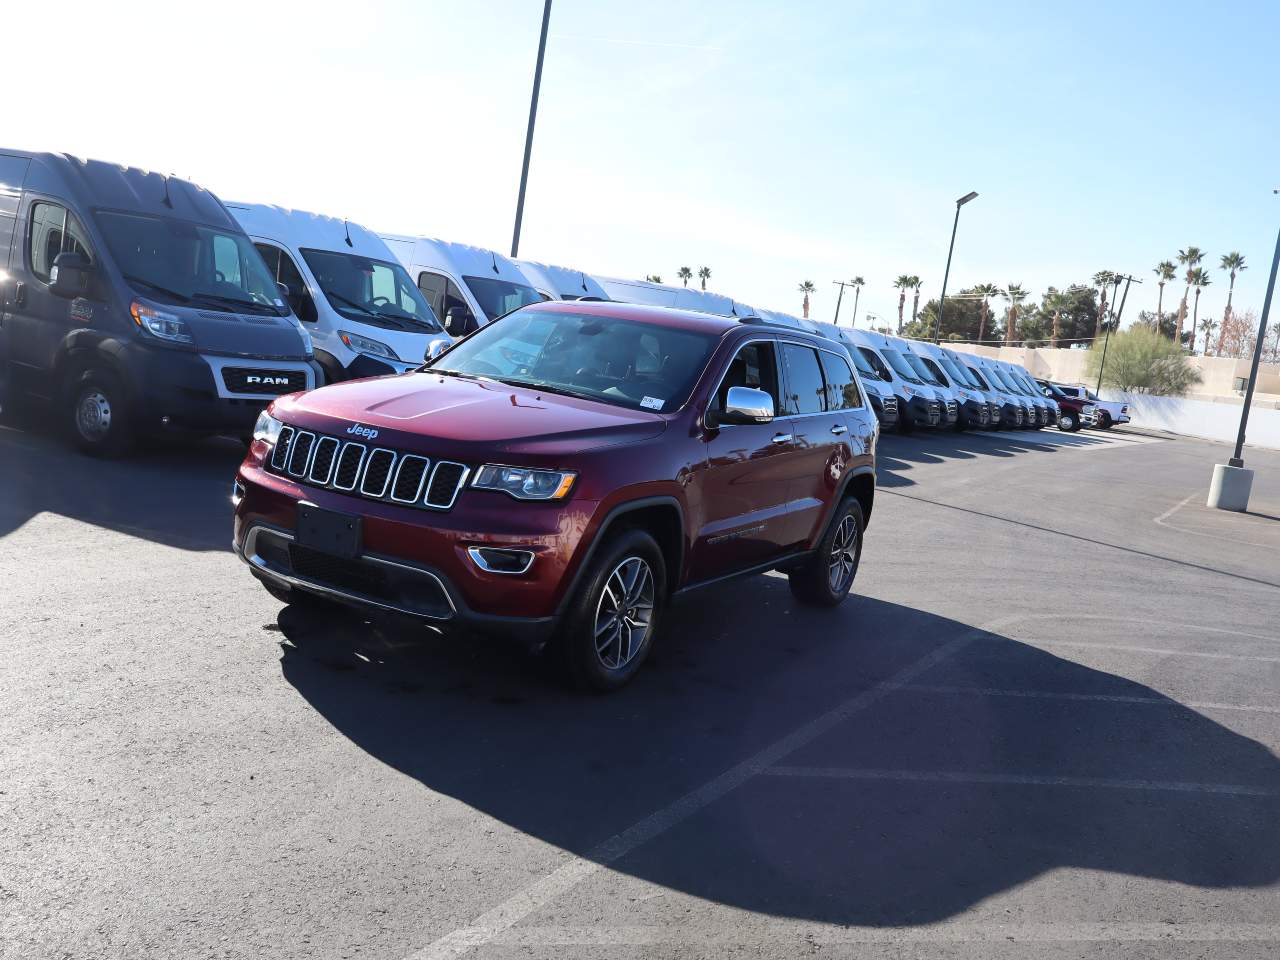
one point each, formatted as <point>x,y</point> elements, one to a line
<point>1139,360</point>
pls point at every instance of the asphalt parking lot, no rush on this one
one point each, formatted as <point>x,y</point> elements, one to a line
<point>1047,724</point>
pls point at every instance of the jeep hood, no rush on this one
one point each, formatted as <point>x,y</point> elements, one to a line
<point>484,417</point>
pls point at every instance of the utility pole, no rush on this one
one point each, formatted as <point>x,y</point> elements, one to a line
<point>842,284</point>
<point>942,299</point>
<point>528,137</point>
<point>1116,317</point>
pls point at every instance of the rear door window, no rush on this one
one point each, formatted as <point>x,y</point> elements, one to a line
<point>842,386</point>
<point>806,389</point>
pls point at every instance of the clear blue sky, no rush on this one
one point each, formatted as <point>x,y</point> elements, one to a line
<point>773,142</point>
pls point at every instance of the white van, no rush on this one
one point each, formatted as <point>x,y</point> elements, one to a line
<point>1046,412</point>
<point>364,314</point>
<point>561,283</point>
<point>946,393</point>
<point>974,410</point>
<point>1015,409</point>
<point>665,295</point>
<point>466,286</point>
<point>918,404</point>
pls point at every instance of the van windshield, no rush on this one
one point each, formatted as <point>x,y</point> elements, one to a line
<point>860,363</point>
<point>881,370</point>
<point>901,366</point>
<point>922,371</point>
<point>371,291</point>
<point>498,297</point>
<point>957,372</point>
<point>641,366</point>
<point>177,261</point>
<point>982,384</point>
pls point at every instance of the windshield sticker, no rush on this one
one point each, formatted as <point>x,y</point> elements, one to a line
<point>651,403</point>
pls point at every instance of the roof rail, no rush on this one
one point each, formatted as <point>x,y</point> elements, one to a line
<point>752,318</point>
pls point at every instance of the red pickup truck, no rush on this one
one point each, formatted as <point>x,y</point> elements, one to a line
<point>563,472</point>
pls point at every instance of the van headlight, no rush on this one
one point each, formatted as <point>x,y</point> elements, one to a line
<point>524,483</point>
<point>267,429</point>
<point>160,323</point>
<point>366,345</point>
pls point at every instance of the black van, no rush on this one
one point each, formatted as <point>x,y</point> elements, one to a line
<point>133,302</point>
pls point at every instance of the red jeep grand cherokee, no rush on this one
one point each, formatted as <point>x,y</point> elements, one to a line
<point>561,473</point>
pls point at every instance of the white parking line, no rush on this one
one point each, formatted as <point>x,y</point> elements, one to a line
<point>1085,697</point>
<point>511,911</point>
<point>1157,651</point>
<point>1017,780</point>
<point>1226,518</point>
<point>792,939</point>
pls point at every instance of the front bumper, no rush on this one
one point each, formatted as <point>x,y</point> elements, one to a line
<point>924,412</point>
<point>885,409</point>
<point>415,562</point>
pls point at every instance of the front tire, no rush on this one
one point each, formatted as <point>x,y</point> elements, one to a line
<point>615,615</point>
<point>98,415</point>
<point>1068,421</point>
<point>826,578</point>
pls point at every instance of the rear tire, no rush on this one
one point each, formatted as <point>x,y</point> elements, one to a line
<point>98,415</point>
<point>826,578</point>
<point>1104,420</point>
<point>615,614</point>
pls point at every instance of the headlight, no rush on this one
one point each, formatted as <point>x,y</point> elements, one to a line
<point>523,483</point>
<point>373,348</point>
<point>267,429</point>
<point>158,323</point>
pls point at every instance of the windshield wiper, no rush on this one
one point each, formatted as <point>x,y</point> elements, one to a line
<point>134,278</point>
<point>357,306</point>
<point>236,302</point>
<point>549,388</point>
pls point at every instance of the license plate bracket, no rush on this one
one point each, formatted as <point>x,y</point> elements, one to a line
<point>329,531</point>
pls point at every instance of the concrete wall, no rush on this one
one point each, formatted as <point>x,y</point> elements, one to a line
<point>1201,418</point>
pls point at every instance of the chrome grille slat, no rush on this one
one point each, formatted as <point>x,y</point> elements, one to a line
<point>344,467</point>
<point>323,460</point>
<point>280,454</point>
<point>435,496</point>
<point>301,449</point>
<point>409,461</point>
<point>373,470</point>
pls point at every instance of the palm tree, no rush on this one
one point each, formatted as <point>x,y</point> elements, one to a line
<point>1102,279</point>
<point>704,274</point>
<point>652,278</point>
<point>1199,279</point>
<point>916,284</point>
<point>1189,258</point>
<point>1232,262</point>
<point>685,274</point>
<point>1165,271</point>
<point>807,288</point>
<point>1054,303</point>
<point>1015,293</point>
<point>901,285</point>
<point>1208,325</point>
<point>857,283</point>
<point>986,291</point>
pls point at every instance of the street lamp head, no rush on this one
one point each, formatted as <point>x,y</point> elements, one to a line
<point>966,198</point>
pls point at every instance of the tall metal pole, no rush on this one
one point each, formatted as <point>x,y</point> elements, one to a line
<point>1238,460</point>
<point>1107,340</point>
<point>942,298</point>
<point>842,285</point>
<point>528,138</point>
<point>857,293</point>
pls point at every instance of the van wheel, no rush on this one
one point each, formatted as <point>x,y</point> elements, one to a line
<point>1068,421</point>
<point>826,578</point>
<point>99,419</point>
<point>616,613</point>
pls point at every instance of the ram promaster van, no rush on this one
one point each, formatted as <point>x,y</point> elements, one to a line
<point>973,410</point>
<point>666,295</point>
<point>466,286</point>
<point>918,404</point>
<point>365,315</point>
<point>132,301</point>
<point>561,283</point>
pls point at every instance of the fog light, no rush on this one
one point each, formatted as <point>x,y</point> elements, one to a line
<point>499,560</point>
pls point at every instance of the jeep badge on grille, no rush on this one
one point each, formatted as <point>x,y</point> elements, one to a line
<point>367,432</point>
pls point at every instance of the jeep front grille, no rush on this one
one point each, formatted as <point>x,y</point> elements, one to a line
<point>374,473</point>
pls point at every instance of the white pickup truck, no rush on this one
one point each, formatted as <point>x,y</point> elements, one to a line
<point>1106,413</point>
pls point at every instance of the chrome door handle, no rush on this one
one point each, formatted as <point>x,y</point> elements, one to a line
<point>782,438</point>
<point>839,428</point>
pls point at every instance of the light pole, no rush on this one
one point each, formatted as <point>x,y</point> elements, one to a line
<point>857,293</point>
<point>528,137</point>
<point>841,284</point>
<point>1115,315</point>
<point>942,298</point>
<point>1232,483</point>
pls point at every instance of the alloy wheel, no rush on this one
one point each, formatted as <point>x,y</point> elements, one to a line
<point>844,555</point>
<point>624,613</point>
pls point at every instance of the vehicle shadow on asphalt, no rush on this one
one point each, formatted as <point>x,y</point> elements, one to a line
<point>935,796</point>
<point>896,455</point>
<point>174,492</point>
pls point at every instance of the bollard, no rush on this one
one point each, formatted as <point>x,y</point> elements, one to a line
<point>1230,487</point>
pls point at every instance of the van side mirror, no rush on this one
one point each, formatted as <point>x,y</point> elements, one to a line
<point>69,277</point>
<point>459,321</point>
<point>745,405</point>
<point>436,347</point>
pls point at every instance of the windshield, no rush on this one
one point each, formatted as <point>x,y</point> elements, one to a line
<point>498,297</point>
<point>640,366</point>
<point>371,291</point>
<point>861,365</point>
<point>901,366</point>
<point>957,371</point>
<point>922,369</point>
<point>979,379</point>
<point>877,364</point>
<point>1000,378</point>
<point>181,262</point>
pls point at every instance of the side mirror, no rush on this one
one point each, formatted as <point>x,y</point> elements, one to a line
<point>746,405</point>
<point>69,277</point>
<point>459,321</point>
<point>436,347</point>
